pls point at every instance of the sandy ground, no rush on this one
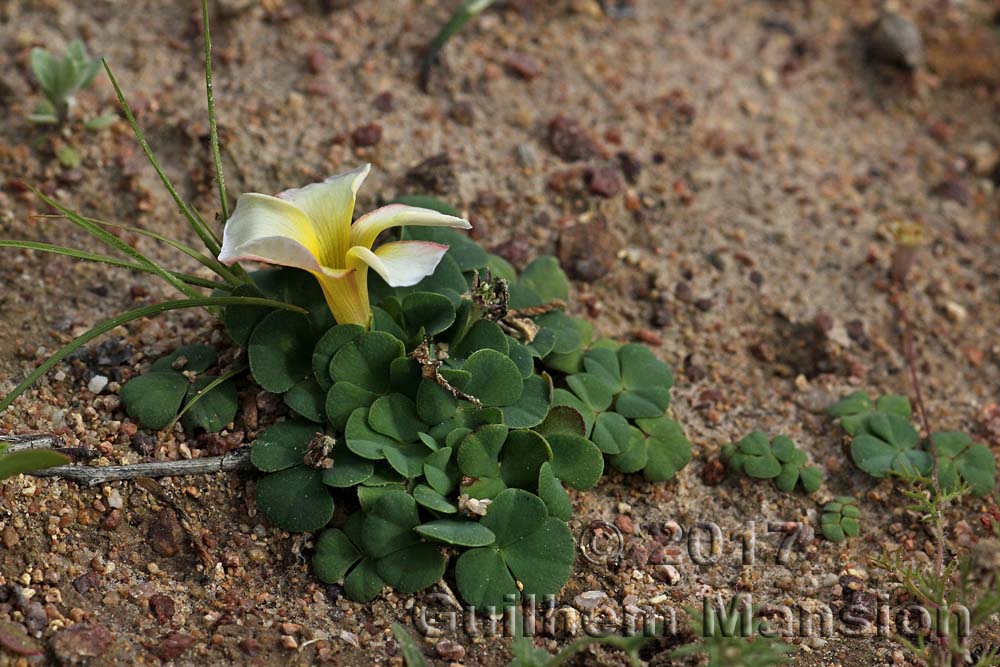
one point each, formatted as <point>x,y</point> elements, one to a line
<point>740,163</point>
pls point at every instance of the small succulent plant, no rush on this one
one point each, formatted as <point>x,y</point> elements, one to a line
<point>840,519</point>
<point>778,459</point>
<point>60,80</point>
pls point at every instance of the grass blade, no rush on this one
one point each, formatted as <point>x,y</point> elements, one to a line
<point>468,10</point>
<point>210,263</point>
<point>113,261</point>
<point>201,229</point>
<point>115,243</point>
<point>201,394</point>
<point>213,130</point>
<point>411,651</point>
<point>130,316</point>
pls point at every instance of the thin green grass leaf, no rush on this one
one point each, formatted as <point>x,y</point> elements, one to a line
<point>207,236</point>
<point>137,314</point>
<point>113,261</point>
<point>116,243</point>
<point>213,130</point>
<point>465,13</point>
<point>208,262</point>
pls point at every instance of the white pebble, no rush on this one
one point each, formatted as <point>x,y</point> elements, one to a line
<point>97,384</point>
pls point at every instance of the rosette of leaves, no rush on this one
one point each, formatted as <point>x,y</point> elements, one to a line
<point>181,386</point>
<point>840,519</point>
<point>778,459</point>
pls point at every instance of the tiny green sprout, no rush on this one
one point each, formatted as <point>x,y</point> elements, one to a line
<point>60,80</point>
<point>778,459</point>
<point>840,519</point>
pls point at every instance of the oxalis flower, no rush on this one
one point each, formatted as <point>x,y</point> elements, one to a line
<point>310,228</point>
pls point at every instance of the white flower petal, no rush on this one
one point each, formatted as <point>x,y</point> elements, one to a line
<point>330,206</point>
<point>367,228</point>
<point>402,263</point>
<point>267,229</point>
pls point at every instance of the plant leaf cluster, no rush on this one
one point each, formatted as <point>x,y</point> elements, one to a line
<point>60,80</point>
<point>465,392</point>
<point>180,386</point>
<point>840,519</point>
<point>778,459</point>
<point>885,442</point>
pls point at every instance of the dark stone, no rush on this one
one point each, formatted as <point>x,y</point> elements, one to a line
<point>434,175</point>
<point>569,141</point>
<point>77,644</point>
<point>165,533</point>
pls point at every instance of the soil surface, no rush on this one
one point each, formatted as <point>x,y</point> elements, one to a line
<point>718,179</point>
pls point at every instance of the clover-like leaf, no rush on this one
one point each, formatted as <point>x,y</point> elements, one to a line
<point>532,553</point>
<point>362,439</point>
<point>563,419</point>
<point>530,410</point>
<point>753,456</point>
<point>960,460</point>
<point>612,433</point>
<point>840,519</point>
<point>191,358</point>
<point>668,449</point>
<point>441,472</point>
<point>546,278</point>
<point>562,397</point>
<point>553,494</point>
<point>646,381</point>
<point>343,399</point>
<point>327,346</point>
<point>432,500</point>
<point>295,499</point>
<point>280,350</point>
<point>494,380</point>
<point>524,452</point>
<point>306,398</point>
<point>282,445</point>
<point>395,416</point>
<point>365,361</point>
<point>887,445</point>
<point>427,312</point>
<point>154,398</point>
<point>483,335</point>
<point>348,469</point>
<point>575,460</point>
<point>479,451</point>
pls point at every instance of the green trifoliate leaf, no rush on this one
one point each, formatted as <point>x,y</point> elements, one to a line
<point>483,335</point>
<point>395,416</point>
<point>668,450</point>
<point>576,461</point>
<point>343,399</point>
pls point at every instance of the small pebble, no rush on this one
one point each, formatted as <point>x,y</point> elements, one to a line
<point>97,384</point>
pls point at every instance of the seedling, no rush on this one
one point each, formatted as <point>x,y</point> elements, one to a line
<point>840,519</point>
<point>884,442</point>
<point>60,80</point>
<point>778,459</point>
